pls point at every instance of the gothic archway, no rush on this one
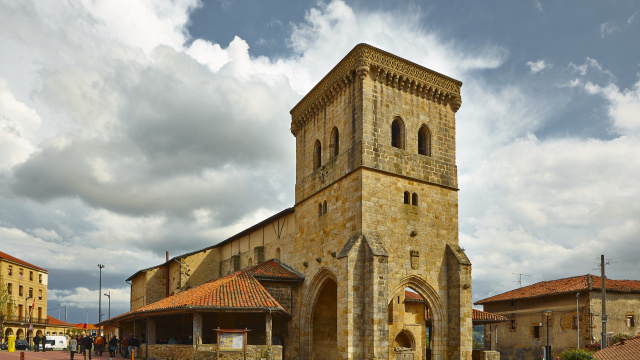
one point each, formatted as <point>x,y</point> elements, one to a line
<point>321,296</point>
<point>436,307</point>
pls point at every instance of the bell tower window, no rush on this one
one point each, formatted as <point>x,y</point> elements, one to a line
<point>397,133</point>
<point>317,155</point>
<point>424,141</point>
<point>334,147</point>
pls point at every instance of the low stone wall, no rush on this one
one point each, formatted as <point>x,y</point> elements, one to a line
<point>208,351</point>
<point>485,355</point>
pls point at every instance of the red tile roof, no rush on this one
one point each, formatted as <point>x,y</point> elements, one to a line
<point>14,259</point>
<point>568,285</point>
<point>56,322</point>
<point>477,316</point>
<point>412,297</point>
<point>274,270</point>
<point>482,317</point>
<point>629,350</point>
<point>238,291</point>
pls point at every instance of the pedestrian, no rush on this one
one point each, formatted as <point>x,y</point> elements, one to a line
<point>36,342</point>
<point>99,345</point>
<point>113,345</point>
<point>125,348</point>
<point>87,341</point>
<point>73,345</point>
<point>133,346</point>
<point>44,342</point>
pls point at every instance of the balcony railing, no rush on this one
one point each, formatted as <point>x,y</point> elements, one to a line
<point>21,320</point>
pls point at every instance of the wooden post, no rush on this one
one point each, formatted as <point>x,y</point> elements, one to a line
<point>197,329</point>
<point>269,325</point>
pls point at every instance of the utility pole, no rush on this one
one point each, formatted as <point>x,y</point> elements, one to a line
<point>100,298</point>
<point>603,342</point>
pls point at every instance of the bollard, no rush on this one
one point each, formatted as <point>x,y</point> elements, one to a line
<point>22,355</point>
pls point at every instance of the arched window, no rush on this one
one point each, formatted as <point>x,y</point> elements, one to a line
<point>324,207</point>
<point>320,209</point>
<point>406,197</point>
<point>414,199</point>
<point>397,133</point>
<point>334,147</point>
<point>317,155</point>
<point>424,141</point>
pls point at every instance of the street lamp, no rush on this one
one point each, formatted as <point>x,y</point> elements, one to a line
<point>547,349</point>
<point>25,316</point>
<point>100,266</point>
<point>109,296</point>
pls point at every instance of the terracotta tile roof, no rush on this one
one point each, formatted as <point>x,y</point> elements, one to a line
<point>482,317</point>
<point>412,297</point>
<point>238,291</point>
<point>274,270</point>
<point>568,285</point>
<point>629,350</point>
<point>56,322</point>
<point>477,316</point>
<point>14,259</point>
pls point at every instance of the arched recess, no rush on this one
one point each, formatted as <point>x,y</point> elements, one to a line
<point>334,146</point>
<point>405,339</point>
<point>317,155</point>
<point>314,292</point>
<point>278,254</point>
<point>436,306</point>
<point>397,133</point>
<point>424,140</point>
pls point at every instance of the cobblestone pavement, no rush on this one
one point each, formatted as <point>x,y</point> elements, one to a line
<point>49,355</point>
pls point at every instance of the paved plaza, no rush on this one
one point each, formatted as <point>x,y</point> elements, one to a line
<point>49,355</point>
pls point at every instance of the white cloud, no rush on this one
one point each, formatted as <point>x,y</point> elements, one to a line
<point>537,66</point>
<point>538,5</point>
<point>608,28</point>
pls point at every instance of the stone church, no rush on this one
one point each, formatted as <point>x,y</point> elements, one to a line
<point>366,265</point>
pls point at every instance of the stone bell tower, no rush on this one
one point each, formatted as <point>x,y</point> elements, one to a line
<point>377,210</point>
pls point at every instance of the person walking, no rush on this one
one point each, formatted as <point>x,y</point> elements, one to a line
<point>125,346</point>
<point>44,342</point>
<point>87,341</point>
<point>73,346</point>
<point>113,345</point>
<point>133,345</point>
<point>36,342</point>
<point>99,345</point>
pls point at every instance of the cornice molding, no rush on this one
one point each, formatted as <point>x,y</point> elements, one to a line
<point>388,69</point>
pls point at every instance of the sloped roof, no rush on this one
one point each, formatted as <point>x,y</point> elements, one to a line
<point>14,259</point>
<point>477,316</point>
<point>57,322</point>
<point>244,232</point>
<point>274,270</point>
<point>239,291</point>
<point>567,285</point>
<point>629,350</point>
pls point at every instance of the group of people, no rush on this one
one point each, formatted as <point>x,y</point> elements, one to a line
<point>36,342</point>
<point>86,343</point>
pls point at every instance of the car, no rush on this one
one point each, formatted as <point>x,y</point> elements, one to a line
<point>4,346</point>
<point>22,344</point>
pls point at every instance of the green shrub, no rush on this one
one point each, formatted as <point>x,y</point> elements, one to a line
<point>576,354</point>
<point>616,338</point>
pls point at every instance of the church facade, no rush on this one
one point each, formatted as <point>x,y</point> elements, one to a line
<point>374,225</point>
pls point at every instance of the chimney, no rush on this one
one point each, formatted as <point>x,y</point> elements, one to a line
<point>167,252</point>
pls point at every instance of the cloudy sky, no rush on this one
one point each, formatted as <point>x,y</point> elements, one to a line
<point>132,128</point>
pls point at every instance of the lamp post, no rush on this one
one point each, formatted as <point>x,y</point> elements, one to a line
<point>109,296</point>
<point>547,349</point>
<point>100,266</point>
<point>25,316</point>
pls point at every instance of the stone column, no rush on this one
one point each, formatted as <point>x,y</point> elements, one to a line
<point>268,328</point>
<point>197,329</point>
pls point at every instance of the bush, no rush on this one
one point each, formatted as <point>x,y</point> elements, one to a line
<point>616,338</point>
<point>593,347</point>
<point>576,354</point>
